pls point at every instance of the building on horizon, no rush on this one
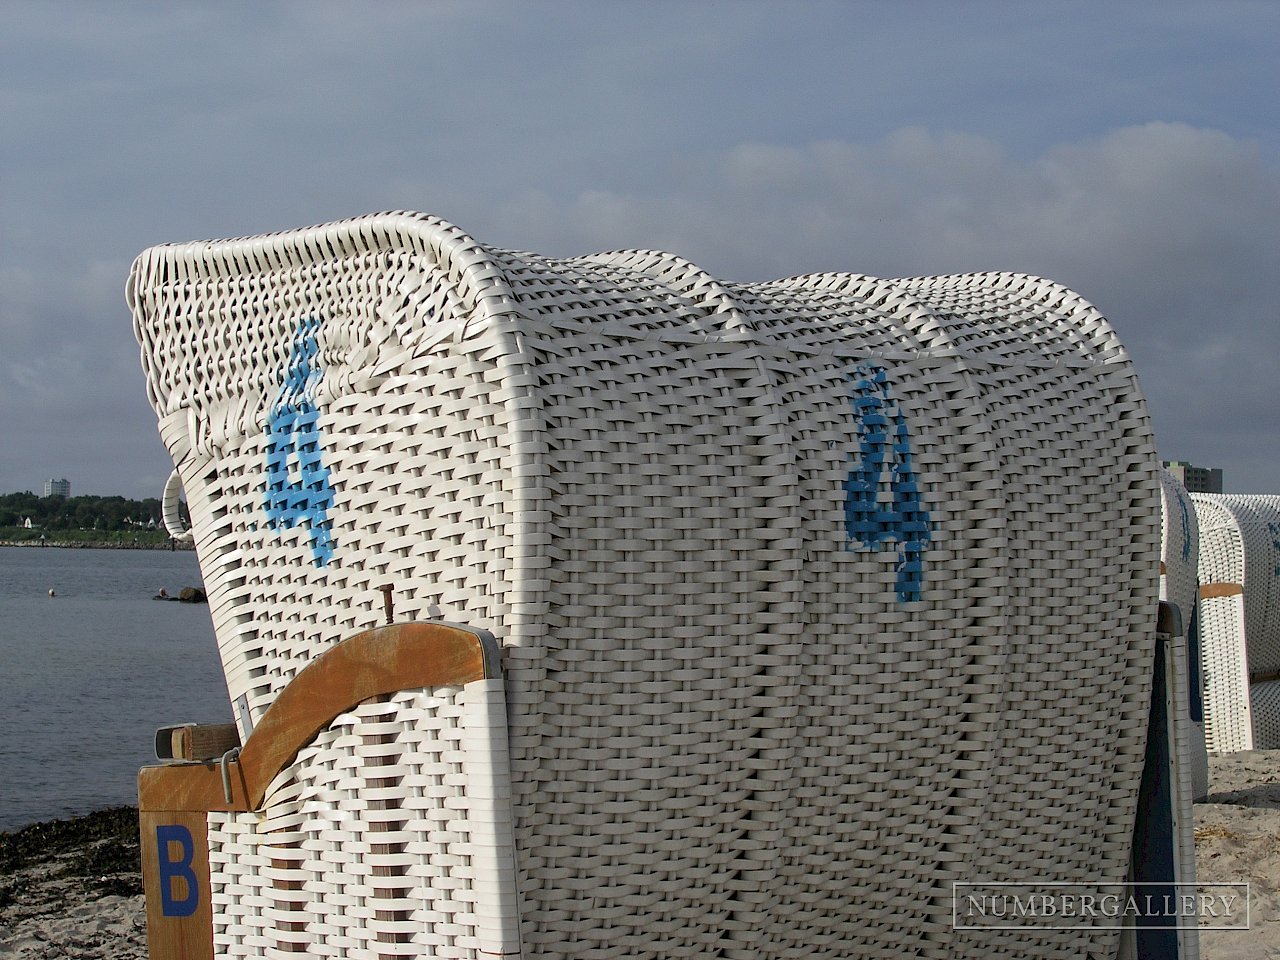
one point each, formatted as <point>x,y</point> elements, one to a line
<point>1196,479</point>
<point>57,488</point>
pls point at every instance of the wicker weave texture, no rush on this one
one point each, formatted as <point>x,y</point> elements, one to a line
<point>815,595</point>
<point>1228,716</point>
<point>1179,584</point>
<point>1189,773</point>
<point>1240,544</point>
<point>378,840</point>
<point>1180,545</point>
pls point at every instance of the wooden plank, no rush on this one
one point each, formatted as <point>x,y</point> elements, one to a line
<point>175,878</point>
<point>1209,591</point>
<point>191,787</point>
<point>205,741</point>
<point>196,741</point>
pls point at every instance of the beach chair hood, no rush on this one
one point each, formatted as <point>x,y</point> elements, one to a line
<point>814,596</point>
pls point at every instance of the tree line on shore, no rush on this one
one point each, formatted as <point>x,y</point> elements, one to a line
<point>55,513</point>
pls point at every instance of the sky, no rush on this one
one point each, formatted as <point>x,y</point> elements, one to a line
<point>1128,150</point>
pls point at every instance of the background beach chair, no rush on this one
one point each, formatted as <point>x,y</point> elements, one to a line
<point>814,597</point>
<point>1239,571</point>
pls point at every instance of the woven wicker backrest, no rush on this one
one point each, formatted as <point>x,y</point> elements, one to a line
<point>1239,560</point>
<point>815,595</point>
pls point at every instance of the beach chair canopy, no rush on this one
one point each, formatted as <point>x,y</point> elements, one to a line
<point>814,596</point>
<point>1239,571</point>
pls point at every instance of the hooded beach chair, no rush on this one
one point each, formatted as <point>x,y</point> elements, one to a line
<point>727,620</point>
<point>1239,573</point>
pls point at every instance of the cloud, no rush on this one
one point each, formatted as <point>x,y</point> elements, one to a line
<point>754,145</point>
<point>1170,229</point>
<point>1144,205</point>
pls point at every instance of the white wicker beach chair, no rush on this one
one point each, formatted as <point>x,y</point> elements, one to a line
<point>813,598</point>
<point>1240,619</point>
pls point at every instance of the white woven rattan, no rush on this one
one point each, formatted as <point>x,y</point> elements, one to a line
<point>1189,762</point>
<point>377,841</point>
<point>1180,547</point>
<point>1240,545</point>
<point>1179,556</point>
<point>816,595</point>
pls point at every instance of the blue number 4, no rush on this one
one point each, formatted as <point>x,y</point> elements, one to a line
<point>883,438</point>
<point>293,434</point>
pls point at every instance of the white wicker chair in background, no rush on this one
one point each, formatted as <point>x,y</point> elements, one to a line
<point>1240,619</point>
<point>814,596</point>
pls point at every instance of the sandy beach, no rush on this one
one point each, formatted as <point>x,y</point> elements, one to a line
<point>1238,839</point>
<point>71,888</point>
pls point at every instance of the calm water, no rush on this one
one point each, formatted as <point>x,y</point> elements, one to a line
<point>86,676</point>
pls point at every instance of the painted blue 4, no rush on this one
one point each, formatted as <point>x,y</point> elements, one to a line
<point>170,870</point>
<point>293,434</point>
<point>883,439</point>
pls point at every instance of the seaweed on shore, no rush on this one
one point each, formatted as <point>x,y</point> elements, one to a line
<point>43,841</point>
<point>99,849</point>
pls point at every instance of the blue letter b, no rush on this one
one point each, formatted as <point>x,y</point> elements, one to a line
<point>171,869</point>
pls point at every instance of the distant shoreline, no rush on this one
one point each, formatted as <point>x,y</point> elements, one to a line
<point>174,546</point>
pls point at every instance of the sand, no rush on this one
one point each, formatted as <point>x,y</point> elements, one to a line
<point>1238,839</point>
<point>69,888</point>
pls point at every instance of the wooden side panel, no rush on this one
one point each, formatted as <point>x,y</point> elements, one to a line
<point>175,877</point>
<point>190,787</point>
<point>196,741</point>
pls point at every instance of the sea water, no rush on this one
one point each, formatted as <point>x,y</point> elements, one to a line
<point>88,674</point>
